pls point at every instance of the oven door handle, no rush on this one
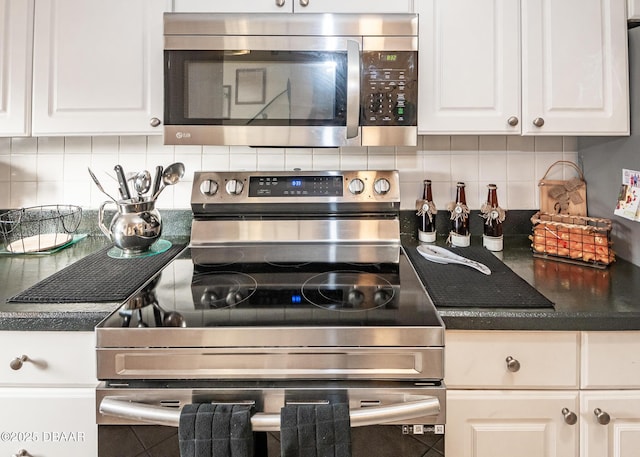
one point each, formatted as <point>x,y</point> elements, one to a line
<point>353,88</point>
<point>264,422</point>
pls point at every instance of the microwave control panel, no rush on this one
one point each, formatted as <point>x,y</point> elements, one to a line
<point>389,88</point>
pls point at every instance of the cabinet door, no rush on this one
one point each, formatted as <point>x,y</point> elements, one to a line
<point>226,6</point>
<point>610,423</point>
<point>353,6</point>
<point>299,6</point>
<point>469,66</point>
<point>48,422</point>
<point>575,78</point>
<point>16,39</point>
<point>97,66</point>
<point>510,423</point>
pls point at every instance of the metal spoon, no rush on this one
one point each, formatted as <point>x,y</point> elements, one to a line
<point>95,180</point>
<point>142,183</point>
<point>170,176</point>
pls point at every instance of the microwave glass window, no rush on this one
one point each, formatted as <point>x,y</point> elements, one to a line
<point>257,88</point>
<point>204,94</point>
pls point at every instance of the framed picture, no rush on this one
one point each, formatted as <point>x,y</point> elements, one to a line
<point>250,86</point>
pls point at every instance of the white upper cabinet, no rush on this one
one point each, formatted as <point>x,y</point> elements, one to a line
<point>297,6</point>
<point>574,78</point>
<point>575,72</point>
<point>469,66</point>
<point>98,67</point>
<point>16,34</point>
<point>633,10</point>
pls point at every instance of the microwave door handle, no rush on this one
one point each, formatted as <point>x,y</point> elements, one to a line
<point>264,422</point>
<point>353,88</point>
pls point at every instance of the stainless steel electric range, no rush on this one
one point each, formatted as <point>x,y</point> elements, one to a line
<point>294,289</point>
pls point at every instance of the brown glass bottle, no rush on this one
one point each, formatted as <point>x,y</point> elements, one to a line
<point>494,216</point>
<point>427,214</point>
<point>459,233</point>
<point>460,216</point>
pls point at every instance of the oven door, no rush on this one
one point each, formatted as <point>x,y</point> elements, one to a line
<point>413,414</point>
<point>262,90</point>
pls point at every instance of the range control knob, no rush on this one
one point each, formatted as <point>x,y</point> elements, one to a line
<point>381,186</point>
<point>234,187</point>
<point>356,186</point>
<point>209,187</point>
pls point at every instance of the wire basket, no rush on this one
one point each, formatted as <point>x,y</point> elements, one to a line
<point>39,228</point>
<point>575,239</point>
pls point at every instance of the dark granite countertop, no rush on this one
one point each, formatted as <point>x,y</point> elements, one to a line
<point>585,298</point>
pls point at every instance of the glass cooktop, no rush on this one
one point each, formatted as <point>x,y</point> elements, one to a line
<point>278,294</point>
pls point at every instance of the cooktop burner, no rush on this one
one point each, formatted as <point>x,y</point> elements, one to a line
<point>349,291</point>
<point>287,294</point>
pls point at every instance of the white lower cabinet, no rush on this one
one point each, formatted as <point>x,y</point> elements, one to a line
<point>47,393</point>
<point>542,394</point>
<point>48,422</point>
<point>503,423</point>
<point>610,423</point>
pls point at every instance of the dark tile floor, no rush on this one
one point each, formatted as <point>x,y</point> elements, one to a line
<point>373,441</point>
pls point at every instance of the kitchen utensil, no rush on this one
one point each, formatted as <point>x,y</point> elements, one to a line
<point>135,226</point>
<point>441,255</point>
<point>157,180</point>
<point>142,183</point>
<point>100,188</point>
<point>122,180</point>
<point>170,176</point>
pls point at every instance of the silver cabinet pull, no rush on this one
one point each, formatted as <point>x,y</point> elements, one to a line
<point>154,122</point>
<point>513,121</point>
<point>280,3</point>
<point>569,416</point>
<point>17,363</point>
<point>304,3</point>
<point>602,417</point>
<point>22,453</point>
<point>512,364</point>
<point>538,122</point>
<point>264,422</point>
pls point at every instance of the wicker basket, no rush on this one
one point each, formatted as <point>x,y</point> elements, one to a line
<point>39,228</point>
<point>576,239</point>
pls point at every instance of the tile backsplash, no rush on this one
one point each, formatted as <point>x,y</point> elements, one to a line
<point>48,170</point>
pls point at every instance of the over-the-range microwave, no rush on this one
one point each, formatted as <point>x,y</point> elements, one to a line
<point>290,80</point>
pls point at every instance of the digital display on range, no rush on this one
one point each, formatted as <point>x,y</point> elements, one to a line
<point>299,186</point>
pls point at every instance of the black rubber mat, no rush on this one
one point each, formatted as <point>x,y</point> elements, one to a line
<point>460,286</point>
<point>97,278</point>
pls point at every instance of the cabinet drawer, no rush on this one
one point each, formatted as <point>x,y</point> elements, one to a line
<point>52,358</point>
<point>610,360</point>
<point>475,359</point>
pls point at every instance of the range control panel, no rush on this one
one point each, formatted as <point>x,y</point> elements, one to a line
<point>246,192</point>
<point>389,88</point>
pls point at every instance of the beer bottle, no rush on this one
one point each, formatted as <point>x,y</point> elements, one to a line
<point>426,212</point>
<point>459,235</point>
<point>493,216</point>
